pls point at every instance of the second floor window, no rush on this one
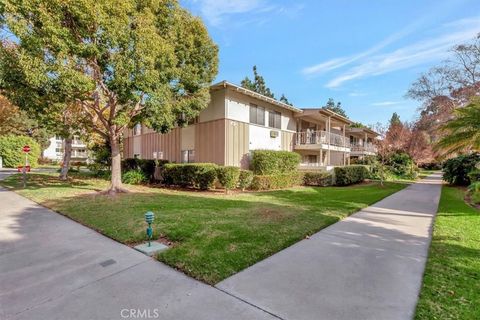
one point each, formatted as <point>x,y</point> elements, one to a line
<point>137,130</point>
<point>257,114</point>
<point>275,119</point>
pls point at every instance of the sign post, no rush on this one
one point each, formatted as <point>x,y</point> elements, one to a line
<point>26,150</point>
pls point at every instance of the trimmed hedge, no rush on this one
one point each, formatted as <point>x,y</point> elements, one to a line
<point>245,179</point>
<point>197,175</point>
<point>228,177</point>
<point>270,162</point>
<point>276,181</point>
<point>320,178</point>
<point>12,154</point>
<point>348,175</point>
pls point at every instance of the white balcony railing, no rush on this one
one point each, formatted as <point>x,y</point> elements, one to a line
<point>320,137</point>
<point>364,148</point>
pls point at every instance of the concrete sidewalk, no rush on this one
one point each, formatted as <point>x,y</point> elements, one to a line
<point>53,268</point>
<point>368,266</point>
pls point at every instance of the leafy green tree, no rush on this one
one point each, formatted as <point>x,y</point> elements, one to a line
<point>395,119</point>
<point>337,108</point>
<point>11,151</point>
<point>17,122</point>
<point>462,133</point>
<point>258,84</point>
<point>285,100</point>
<point>118,61</point>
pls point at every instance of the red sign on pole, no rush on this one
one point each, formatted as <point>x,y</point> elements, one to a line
<point>26,149</point>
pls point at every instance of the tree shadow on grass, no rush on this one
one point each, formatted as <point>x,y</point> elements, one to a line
<point>37,181</point>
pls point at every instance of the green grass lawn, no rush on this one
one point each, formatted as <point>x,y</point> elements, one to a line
<point>213,235</point>
<point>451,287</point>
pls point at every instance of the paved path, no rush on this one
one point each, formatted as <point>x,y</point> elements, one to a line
<point>368,266</point>
<point>53,268</point>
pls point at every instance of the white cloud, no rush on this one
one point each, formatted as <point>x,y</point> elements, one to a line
<point>217,12</point>
<point>386,103</point>
<point>427,50</point>
<point>343,61</point>
<point>357,94</point>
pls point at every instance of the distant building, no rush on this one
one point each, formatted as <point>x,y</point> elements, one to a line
<point>57,145</point>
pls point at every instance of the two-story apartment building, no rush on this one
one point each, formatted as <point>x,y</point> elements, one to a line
<point>57,146</point>
<point>239,120</point>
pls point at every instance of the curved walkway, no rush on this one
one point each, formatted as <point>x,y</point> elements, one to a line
<point>368,266</point>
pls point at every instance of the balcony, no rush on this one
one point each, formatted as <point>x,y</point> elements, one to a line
<point>76,154</point>
<point>320,140</point>
<point>368,148</point>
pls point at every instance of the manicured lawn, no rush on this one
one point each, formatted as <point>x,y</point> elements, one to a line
<point>213,235</point>
<point>451,287</point>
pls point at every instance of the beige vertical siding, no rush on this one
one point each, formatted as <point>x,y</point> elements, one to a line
<point>210,142</point>
<point>128,147</point>
<point>287,141</point>
<point>168,143</point>
<point>236,144</point>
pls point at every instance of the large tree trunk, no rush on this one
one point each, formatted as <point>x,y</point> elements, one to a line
<point>67,155</point>
<point>116,180</point>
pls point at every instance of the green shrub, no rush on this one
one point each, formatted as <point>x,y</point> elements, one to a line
<point>101,154</point>
<point>476,198</point>
<point>245,179</point>
<point>474,190</point>
<point>134,177</point>
<point>276,181</point>
<point>456,170</point>
<point>402,165</point>
<point>431,166</point>
<point>268,162</point>
<point>318,178</point>
<point>228,177</point>
<point>474,175</point>
<point>474,187</point>
<point>348,175</point>
<point>12,154</point>
<point>147,166</point>
<point>197,175</point>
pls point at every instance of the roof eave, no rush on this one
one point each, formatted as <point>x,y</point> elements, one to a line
<point>254,94</point>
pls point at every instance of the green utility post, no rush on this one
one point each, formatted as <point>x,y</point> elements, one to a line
<point>149,217</point>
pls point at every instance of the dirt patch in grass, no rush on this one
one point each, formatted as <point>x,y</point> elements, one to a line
<point>271,214</point>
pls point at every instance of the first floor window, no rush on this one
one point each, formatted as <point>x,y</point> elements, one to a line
<point>257,114</point>
<point>188,156</point>
<point>275,119</point>
<point>311,158</point>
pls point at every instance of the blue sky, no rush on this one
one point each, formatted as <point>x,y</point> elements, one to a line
<point>362,53</point>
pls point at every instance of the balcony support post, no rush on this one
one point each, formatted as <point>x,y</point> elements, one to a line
<point>329,138</point>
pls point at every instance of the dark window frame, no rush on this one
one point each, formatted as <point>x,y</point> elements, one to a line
<point>257,114</point>
<point>275,119</point>
<point>188,156</point>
